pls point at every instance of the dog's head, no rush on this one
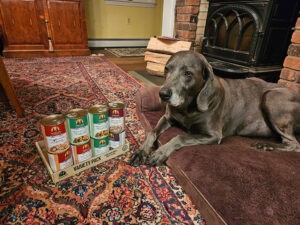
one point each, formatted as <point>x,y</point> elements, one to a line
<point>188,76</point>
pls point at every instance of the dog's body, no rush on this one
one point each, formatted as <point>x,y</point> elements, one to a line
<point>210,108</point>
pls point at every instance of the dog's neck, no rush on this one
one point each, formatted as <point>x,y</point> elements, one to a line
<point>192,104</point>
<point>218,94</point>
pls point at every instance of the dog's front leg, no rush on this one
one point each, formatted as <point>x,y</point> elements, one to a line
<point>163,152</point>
<point>141,155</point>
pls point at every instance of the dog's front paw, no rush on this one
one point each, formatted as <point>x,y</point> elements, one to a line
<point>138,158</point>
<point>157,158</point>
<point>286,146</point>
<point>260,146</point>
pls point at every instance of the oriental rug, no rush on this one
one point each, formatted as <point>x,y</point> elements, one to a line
<point>110,193</point>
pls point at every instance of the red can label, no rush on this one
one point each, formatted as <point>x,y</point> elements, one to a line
<point>62,157</point>
<point>81,152</point>
<point>116,112</point>
<point>116,120</point>
<point>61,160</point>
<point>55,130</point>
<point>56,137</point>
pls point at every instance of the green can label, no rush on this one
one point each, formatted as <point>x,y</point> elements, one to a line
<point>100,146</point>
<point>78,130</point>
<point>99,125</point>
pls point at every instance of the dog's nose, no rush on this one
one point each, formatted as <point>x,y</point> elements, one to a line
<point>165,94</point>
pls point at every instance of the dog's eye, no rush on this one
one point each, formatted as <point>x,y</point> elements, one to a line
<point>166,70</point>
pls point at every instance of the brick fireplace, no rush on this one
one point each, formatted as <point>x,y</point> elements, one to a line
<point>190,21</point>
<point>290,74</point>
<point>265,61</point>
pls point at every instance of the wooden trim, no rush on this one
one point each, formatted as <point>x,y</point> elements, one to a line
<point>45,53</point>
<point>97,43</point>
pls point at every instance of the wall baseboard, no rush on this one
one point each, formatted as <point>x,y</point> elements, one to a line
<point>139,3</point>
<point>99,43</point>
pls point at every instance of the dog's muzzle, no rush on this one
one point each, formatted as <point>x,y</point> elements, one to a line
<point>165,94</point>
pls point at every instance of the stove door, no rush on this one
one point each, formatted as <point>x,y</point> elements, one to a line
<point>232,33</point>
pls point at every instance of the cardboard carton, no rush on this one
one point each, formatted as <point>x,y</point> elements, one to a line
<point>77,168</point>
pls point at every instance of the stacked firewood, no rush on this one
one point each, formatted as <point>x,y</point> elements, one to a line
<point>159,50</point>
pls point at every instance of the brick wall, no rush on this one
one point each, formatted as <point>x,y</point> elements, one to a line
<point>203,7</point>
<point>186,19</point>
<point>190,21</point>
<point>290,74</point>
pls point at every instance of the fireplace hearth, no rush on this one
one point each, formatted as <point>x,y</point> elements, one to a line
<point>249,38</point>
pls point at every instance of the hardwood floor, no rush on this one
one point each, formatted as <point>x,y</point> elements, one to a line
<point>126,63</point>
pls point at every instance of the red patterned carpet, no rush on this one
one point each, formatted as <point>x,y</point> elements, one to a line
<point>110,193</point>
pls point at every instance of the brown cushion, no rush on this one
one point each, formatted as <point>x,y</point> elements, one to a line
<point>232,183</point>
<point>243,186</point>
<point>147,99</point>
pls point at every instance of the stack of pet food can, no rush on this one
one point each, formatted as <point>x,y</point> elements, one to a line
<point>83,133</point>
<point>99,128</point>
<point>116,124</point>
<point>78,129</point>
<point>57,141</point>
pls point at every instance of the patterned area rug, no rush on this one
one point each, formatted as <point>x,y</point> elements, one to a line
<point>110,193</point>
<point>127,52</point>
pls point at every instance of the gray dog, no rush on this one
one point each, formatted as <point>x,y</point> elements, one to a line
<point>211,108</point>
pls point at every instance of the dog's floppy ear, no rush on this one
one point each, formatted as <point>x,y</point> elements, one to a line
<point>208,88</point>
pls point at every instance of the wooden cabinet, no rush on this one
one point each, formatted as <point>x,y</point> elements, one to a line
<point>22,27</point>
<point>43,28</point>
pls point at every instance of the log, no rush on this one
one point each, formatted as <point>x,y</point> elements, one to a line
<point>167,46</point>
<point>155,68</point>
<point>156,57</point>
<point>159,51</point>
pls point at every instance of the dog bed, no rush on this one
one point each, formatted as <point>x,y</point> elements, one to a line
<point>231,183</point>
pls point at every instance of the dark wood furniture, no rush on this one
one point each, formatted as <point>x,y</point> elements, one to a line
<point>43,28</point>
<point>9,90</point>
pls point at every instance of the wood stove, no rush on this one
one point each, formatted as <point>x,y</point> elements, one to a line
<point>249,38</point>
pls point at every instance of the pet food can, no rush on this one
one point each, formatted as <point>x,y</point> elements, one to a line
<point>98,121</point>
<point>116,124</point>
<point>100,146</point>
<point>78,127</point>
<point>60,159</point>
<point>55,132</point>
<point>116,117</point>
<point>117,140</point>
<point>81,152</point>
